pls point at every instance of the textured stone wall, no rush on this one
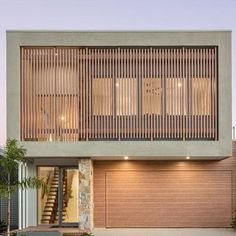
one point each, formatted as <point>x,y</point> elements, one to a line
<point>86,193</point>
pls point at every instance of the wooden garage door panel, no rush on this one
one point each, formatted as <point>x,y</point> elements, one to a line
<point>168,198</point>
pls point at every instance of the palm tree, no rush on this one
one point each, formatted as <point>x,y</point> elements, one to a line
<point>13,156</point>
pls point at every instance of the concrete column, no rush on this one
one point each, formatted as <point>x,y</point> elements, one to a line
<point>86,193</point>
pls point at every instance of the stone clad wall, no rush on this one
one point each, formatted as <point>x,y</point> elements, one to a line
<point>85,193</point>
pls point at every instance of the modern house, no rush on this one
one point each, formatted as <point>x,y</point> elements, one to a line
<point>128,129</point>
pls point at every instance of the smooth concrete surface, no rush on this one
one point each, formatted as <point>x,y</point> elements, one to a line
<point>165,232</point>
<point>136,150</point>
<point>212,149</point>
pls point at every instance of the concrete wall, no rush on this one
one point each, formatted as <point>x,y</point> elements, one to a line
<point>110,149</point>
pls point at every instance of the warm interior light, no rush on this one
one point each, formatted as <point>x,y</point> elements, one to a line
<point>117,84</point>
<point>62,118</point>
<point>50,138</point>
<point>187,158</point>
<point>126,158</point>
<point>179,85</point>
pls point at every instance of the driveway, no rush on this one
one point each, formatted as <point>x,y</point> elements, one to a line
<point>166,232</point>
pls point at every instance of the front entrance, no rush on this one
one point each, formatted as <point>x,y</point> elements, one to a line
<point>59,206</point>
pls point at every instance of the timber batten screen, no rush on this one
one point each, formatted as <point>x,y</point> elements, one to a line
<point>119,93</point>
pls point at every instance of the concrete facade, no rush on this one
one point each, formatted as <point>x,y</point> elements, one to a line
<point>109,149</point>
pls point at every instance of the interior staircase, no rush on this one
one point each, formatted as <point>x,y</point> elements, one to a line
<point>50,213</point>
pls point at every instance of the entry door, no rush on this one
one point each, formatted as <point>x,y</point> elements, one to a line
<point>68,192</point>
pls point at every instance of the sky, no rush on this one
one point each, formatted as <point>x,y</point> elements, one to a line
<point>112,15</point>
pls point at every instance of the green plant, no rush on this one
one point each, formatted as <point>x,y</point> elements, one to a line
<point>14,156</point>
<point>3,224</point>
<point>87,234</point>
<point>233,223</point>
<point>15,234</point>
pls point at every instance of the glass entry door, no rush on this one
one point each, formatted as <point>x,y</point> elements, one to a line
<point>59,206</point>
<point>68,196</point>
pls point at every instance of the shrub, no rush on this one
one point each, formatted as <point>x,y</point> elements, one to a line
<point>233,223</point>
<point>87,234</point>
<point>3,225</point>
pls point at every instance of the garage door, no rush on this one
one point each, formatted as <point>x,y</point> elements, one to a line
<point>168,199</point>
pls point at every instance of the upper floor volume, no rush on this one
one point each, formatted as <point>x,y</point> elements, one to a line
<point>98,93</point>
<point>119,93</point>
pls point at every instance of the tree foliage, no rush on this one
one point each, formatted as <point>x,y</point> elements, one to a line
<point>13,156</point>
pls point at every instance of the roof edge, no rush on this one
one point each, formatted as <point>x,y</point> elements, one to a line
<point>118,31</point>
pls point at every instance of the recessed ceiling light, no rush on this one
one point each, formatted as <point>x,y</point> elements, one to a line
<point>187,158</point>
<point>126,157</point>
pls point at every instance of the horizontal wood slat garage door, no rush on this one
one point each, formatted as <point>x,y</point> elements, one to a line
<point>168,198</point>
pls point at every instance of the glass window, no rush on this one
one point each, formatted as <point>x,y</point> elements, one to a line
<point>152,96</point>
<point>48,201</point>
<point>176,96</point>
<point>61,195</point>
<point>102,96</point>
<point>201,96</point>
<point>126,96</point>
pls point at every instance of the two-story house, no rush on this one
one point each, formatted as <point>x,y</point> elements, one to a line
<point>128,129</point>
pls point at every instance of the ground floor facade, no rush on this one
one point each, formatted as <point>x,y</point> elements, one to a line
<point>129,193</point>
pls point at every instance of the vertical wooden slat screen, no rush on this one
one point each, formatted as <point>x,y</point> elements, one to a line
<point>118,93</point>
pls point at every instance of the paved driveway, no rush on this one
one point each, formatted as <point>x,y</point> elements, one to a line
<point>165,232</point>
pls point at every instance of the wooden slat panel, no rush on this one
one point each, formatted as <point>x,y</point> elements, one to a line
<point>216,95</point>
<point>139,92</point>
<point>154,93</point>
<point>211,62</point>
<point>192,100</point>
